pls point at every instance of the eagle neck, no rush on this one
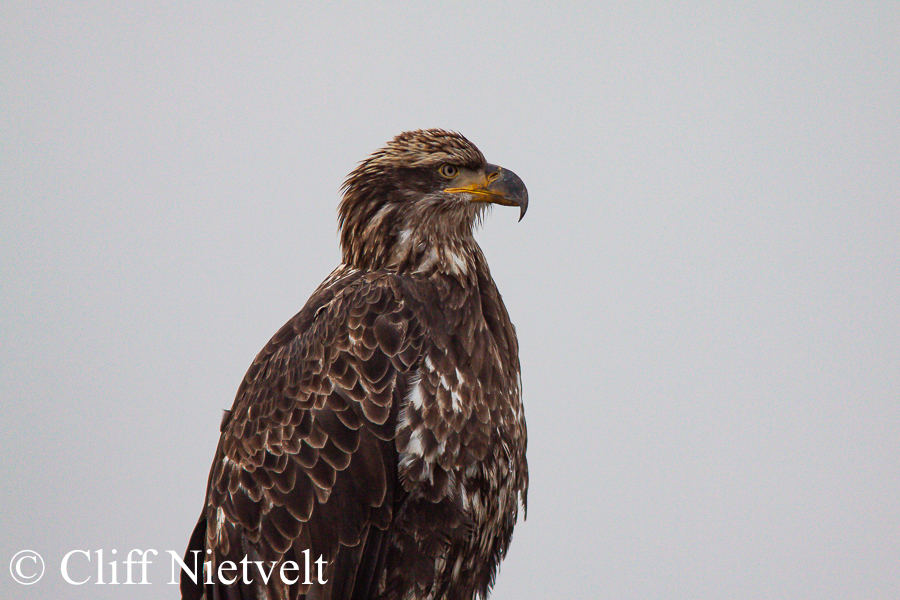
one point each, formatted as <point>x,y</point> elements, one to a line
<point>425,254</point>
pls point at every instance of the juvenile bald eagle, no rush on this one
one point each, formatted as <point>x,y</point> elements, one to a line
<point>381,428</point>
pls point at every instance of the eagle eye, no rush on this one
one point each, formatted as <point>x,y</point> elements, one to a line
<point>448,171</point>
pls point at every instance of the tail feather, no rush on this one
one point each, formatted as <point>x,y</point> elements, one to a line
<point>191,590</point>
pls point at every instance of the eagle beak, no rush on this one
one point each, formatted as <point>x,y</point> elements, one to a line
<point>507,188</point>
<point>499,186</point>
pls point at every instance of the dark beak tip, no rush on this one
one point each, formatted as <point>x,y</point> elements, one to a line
<point>511,187</point>
<point>518,193</point>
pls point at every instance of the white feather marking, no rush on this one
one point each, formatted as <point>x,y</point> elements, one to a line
<point>414,447</point>
<point>457,566</point>
<point>464,497</point>
<point>416,395</point>
<point>457,264</point>
<point>220,524</point>
<point>428,261</point>
<point>456,400</point>
<point>416,451</point>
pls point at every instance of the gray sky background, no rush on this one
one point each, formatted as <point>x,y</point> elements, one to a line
<point>705,286</point>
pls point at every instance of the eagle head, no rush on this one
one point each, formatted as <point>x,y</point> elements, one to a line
<point>420,194</point>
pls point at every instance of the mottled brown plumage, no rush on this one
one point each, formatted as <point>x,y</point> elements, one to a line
<point>382,426</point>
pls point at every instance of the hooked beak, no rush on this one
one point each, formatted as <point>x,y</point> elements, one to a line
<point>498,186</point>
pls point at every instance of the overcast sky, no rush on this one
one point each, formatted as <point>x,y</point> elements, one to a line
<point>705,286</point>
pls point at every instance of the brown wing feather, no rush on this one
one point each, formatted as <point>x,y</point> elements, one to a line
<point>307,459</point>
